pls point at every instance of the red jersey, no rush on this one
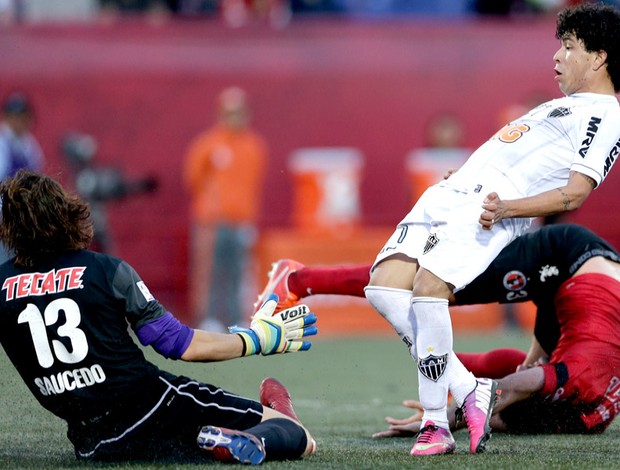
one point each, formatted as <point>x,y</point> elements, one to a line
<point>584,368</point>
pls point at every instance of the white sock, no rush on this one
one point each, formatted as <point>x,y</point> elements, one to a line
<point>395,306</point>
<point>462,382</point>
<point>434,350</point>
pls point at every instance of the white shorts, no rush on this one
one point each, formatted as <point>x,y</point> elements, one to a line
<point>442,232</point>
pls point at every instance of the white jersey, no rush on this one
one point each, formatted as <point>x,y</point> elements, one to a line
<point>578,133</point>
<point>531,155</point>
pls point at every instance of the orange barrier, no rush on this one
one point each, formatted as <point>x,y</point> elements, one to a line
<point>426,167</point>
<point>313,249</point>
<point>326,183</point>
<point>477,318</point>
<point>526,315</point>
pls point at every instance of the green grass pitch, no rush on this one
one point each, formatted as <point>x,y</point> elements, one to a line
<point>342,390</point>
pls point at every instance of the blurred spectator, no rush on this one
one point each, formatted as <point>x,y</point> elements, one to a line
<point>155,11</point>
<point>133,6</point>
<point>493,7</point>
<point>443,149</point>
<point>44,11</point>
<point>189,8</point>
<point>18,147</point>
<point>509,7</point>
<point>237,13</point>
<point>8,12</point>
<point>547,6</point>
<point>316,6</point>
<point>224,172</point>
<point>445,131</point>
<point>517,109</point>
<point>443,8</point>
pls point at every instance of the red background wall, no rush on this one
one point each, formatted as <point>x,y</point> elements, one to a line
<point>143,92</point>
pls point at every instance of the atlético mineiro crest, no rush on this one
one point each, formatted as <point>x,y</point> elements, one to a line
<point>431,242</point>
<point>432,367</point>
<point>560,112</point>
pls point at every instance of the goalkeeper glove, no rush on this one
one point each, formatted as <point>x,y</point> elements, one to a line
<point>279,333</point>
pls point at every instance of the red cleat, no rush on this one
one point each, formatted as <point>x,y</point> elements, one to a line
<point>274,395</point>
<point>278,284</point>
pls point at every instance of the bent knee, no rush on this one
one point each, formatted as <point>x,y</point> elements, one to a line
<point>397,272</point>
<point>427,284</point>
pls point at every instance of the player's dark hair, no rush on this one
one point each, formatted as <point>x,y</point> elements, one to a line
<point>39,218</point>
<point>598,26</point>
<point>540,415</point>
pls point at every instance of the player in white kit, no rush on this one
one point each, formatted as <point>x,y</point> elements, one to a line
<point>543,163</point>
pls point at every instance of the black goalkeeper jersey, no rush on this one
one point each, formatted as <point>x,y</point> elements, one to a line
<point>64,326</point>
<point>533,267</point>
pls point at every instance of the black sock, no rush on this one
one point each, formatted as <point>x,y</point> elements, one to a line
<point>283,439</point>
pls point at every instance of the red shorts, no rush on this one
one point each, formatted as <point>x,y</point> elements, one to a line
<point>585,367</point>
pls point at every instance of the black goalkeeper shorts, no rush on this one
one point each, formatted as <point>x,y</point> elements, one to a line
<point>165,428</point>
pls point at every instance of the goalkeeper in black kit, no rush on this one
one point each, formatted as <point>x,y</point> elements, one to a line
<point>64,312</point>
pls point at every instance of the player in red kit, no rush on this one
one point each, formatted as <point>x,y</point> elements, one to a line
<point>573,277</point>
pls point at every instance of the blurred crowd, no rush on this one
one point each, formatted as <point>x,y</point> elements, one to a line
<point>277,13</point>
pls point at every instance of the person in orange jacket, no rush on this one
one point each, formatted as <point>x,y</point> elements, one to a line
<point>224,173</point>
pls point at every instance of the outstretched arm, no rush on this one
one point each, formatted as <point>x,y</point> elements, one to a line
<point>207,346</point>
<point>514,387</point>
<point>407,426</point>
<point>411,426</point>
<point>269,333</point>
<point>519,386</point>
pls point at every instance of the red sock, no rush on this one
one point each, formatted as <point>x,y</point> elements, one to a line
<point>340,280</point>
<point>494,364</point>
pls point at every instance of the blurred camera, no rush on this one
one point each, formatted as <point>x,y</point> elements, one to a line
<point>95,183</point>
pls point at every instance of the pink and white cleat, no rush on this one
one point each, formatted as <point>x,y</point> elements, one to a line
<point>477,410</point>
<point>277,284</point>
<point>433,440</point>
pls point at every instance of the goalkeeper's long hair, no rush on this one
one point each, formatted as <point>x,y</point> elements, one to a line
<point>40,219</point>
